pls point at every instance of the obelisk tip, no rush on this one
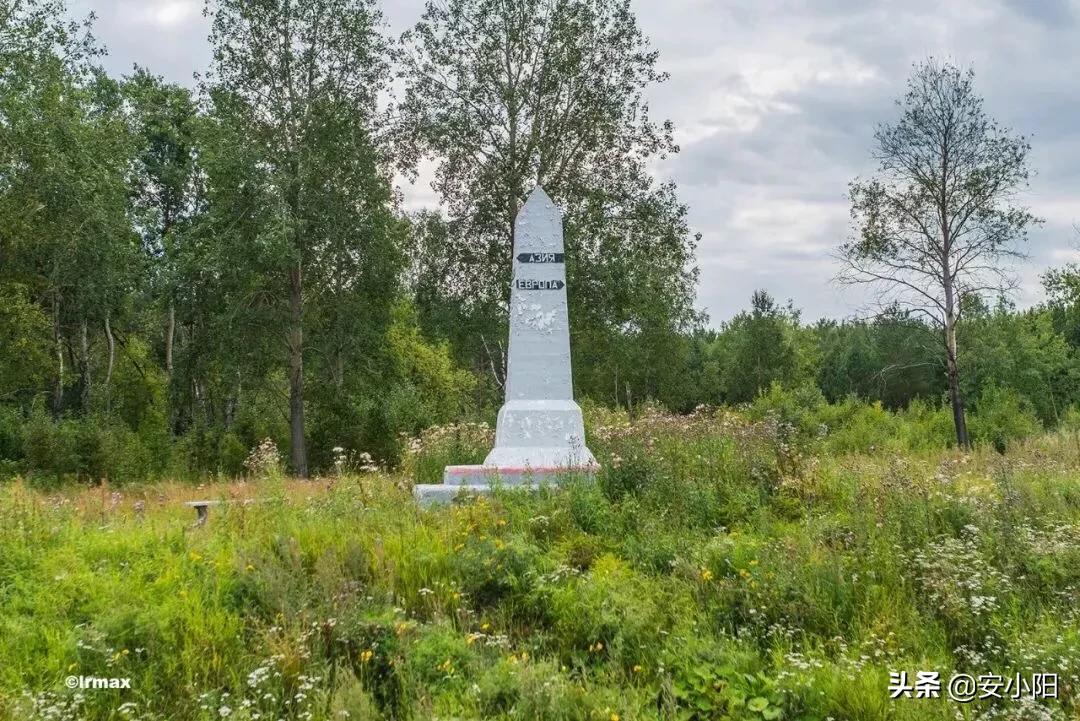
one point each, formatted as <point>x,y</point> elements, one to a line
<point>538,196</point>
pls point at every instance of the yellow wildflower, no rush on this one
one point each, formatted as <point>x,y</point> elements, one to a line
<point>366,656</point>
<point>706,574</point>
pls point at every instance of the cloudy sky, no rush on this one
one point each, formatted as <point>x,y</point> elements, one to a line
<point>775,102</point>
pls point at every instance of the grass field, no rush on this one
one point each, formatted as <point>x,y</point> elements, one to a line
<point>717,568</point>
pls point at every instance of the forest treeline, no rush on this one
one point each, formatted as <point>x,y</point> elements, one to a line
<point>187,271</point>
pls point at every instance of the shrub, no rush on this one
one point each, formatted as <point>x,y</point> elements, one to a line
<point>90,449</point>
<point>439,661</point>
<point>798,407</point>
<point>853,426</point>
<point>441,446</point>
<point>927,426</point>
<point>491,571</point>
<point>1002,415</point>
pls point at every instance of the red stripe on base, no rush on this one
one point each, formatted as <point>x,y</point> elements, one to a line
<point>507,469</point>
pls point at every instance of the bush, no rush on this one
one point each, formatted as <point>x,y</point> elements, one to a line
<point>441,446</point>
<point>1002,415</point>
<point>927,426</point>
<point>798,407</point>
<point>90,450</point>
<point>12,438</point>
<point>853,426</point>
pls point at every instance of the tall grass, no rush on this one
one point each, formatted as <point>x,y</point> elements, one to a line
<point>719,567</point>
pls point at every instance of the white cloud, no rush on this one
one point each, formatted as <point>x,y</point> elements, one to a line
<point>775,103</point>
<point>172,13</point>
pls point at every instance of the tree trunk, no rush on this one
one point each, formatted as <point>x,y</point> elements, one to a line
<point>234,402</point>
<point>338,371</point>
<point>296,372</point>
<point>112,360</point>
<point>58,339</point>
<point>84,365</point>
<point>956,398</point>
<point>170,332</point>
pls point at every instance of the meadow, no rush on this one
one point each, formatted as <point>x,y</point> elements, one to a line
<point>722,565</point>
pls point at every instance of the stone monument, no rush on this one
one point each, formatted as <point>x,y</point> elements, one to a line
<point>540,435</point>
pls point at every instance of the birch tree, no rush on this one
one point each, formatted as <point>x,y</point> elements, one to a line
<point>940,222</point>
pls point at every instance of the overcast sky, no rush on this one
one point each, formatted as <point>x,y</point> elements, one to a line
<point>775,106</point>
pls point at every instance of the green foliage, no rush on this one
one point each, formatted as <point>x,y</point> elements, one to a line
<point>253,275</point>
<point>711,683</point>
<point>24,344</point>
<point>894,359</point>
<point>92,449</point>
<point>762,347</point>
<point>1003,415</point>
<point>483,81</point>
<point>1021,352</point>
<point>666,602</point>
<point>440,446</point>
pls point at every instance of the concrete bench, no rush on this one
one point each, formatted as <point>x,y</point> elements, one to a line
<point>202,508</point>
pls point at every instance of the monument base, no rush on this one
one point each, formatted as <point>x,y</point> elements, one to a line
<point>479,480</point>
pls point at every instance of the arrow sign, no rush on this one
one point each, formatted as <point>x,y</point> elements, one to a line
<point>523,284</point>
<point>541,257</point>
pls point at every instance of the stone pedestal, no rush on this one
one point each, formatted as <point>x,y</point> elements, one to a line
<point>540,435</point>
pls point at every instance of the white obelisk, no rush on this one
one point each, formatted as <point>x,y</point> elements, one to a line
<point>540,434</point>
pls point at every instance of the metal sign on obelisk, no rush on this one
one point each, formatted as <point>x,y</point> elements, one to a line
<point>540,434</point>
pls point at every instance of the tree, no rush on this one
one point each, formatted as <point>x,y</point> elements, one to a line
<point>894,359</point>
<point>508,94</point>
<point>65,154</point>
<point>300,79</point>
<point>1021,352</point>
<point>762,346</point>
<point>1063,288</point>
<point>164,117</point>
<point>938,222</point>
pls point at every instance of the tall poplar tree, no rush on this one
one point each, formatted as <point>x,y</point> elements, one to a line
<point>508,94</point>
<point>299,80</point>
